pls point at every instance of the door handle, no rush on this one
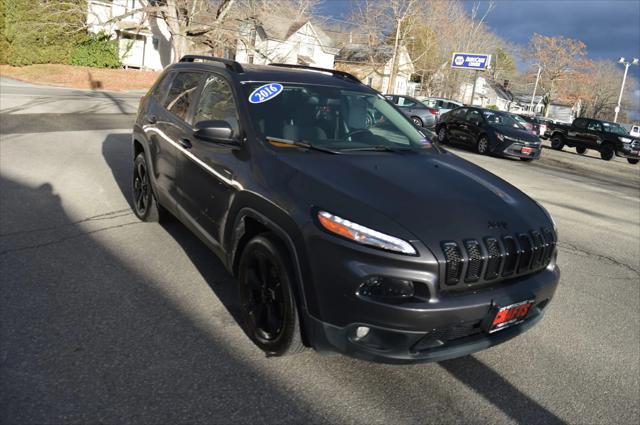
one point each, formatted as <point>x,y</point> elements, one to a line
<point>152,119</point>
<point>185,143</point>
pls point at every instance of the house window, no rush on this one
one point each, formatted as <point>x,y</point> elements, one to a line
<point>369,81</point>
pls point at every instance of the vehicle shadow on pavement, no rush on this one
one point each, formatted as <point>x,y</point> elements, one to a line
<point>90,335</point>
<point>116,150</point>
<point>486,382</point>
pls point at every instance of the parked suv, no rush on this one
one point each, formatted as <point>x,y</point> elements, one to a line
<point>342,234</point>
<point>608,138</point>
<point>489,132</point>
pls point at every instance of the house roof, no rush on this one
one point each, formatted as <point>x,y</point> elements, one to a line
<point>356,52</point>
<point>274,27</point>
<point>500,90</point>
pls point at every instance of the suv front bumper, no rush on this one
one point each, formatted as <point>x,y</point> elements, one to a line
<point>629,150</point>
<point>444,325</point>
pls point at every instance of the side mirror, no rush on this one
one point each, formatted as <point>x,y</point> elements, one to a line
<point>217,131</point>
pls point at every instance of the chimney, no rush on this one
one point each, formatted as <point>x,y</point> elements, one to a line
<point>506,84</point>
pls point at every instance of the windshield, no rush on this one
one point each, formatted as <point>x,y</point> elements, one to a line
<point>501,119</point>
<point>331,118</point>
<point>610,127</point>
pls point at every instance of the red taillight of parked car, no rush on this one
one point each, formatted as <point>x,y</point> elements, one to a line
<point>433,111</point>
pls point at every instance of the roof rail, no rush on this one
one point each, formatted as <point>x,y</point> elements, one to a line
<point>230,64</point>
<point>335,72</point>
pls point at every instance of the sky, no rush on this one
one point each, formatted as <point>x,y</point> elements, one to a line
<point>610,29</point>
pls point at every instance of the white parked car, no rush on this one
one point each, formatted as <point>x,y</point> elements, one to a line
<point>635,131</point>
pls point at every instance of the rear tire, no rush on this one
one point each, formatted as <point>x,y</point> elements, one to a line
<point>417,121</point>
<point>268,302</point>
<point>442,135</point>
<point>606,152</point>
<point>581,150</point>
<point>557,142</point>
<point>145,204</point>
<point>632,161</point>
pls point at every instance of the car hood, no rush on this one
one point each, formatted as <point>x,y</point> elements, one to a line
<point>427,196</point>
<point>514,133</point>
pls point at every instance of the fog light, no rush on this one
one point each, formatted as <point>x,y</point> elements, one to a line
<point>361,332</point>
<point>387,288</point>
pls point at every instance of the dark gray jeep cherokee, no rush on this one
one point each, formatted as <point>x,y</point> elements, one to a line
<point>346,228</point>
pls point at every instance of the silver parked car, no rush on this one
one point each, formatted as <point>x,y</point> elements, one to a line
<point>420,114</point>
<point>440,104</point>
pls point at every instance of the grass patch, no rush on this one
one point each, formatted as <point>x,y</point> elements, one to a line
<point>81,77</point>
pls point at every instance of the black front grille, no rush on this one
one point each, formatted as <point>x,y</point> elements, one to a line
<point>635,144</point>
<point>477,261</point>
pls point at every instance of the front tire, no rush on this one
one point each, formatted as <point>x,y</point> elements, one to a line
<point>266,294</point>
<point>632,161</point>
<point>581,150</point>
<point>557,142</point>
<point>606,152</point>
<point>482,146</point>
<point>145,205</point>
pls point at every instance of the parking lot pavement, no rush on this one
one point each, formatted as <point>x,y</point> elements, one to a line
<point>107,319</point>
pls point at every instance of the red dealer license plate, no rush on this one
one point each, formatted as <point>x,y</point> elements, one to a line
<point>510,315</point>
<point>526,150</point>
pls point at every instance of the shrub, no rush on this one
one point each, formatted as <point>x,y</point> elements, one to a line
<point>494,107</point>
<point>98,51</point>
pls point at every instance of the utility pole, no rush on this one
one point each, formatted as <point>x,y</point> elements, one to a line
<point>473,90</point>
<point>392,75</point>
<point>535,87</point>
<point>624,79</point>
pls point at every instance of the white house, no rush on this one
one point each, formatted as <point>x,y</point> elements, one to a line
<point>373,67</point>
<point>274,39</point>
<point>143,41</point>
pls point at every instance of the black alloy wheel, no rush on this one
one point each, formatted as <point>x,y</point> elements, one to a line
<point>145,205</point>
<point>632,161</point>
<point>268,303</point>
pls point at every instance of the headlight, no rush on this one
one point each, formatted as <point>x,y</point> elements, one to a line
<point>625,139</point>
<point>363,235</point>
<point>500,136</point>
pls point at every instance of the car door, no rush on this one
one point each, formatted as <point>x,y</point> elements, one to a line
<point>208,169</point>
<point>455,123</point>
<point>163,125</point>
<point>578,131</point>
<point>593,135</point>
<point>471,127</point>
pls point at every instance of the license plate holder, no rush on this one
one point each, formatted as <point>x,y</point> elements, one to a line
<point>503,317</point>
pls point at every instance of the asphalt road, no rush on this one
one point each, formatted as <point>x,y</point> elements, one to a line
<point>104,319</point>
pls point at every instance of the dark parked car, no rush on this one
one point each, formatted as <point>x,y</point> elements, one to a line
<point>342,234</point>
<point>533,124</point>
<point>420,114</point>
<point>608,138</point>
<point>488,131</point>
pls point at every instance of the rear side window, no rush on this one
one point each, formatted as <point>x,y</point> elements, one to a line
<point>161,89</point>
<point>580,123</point>
<point>182,91</point>
<point>216,103</point>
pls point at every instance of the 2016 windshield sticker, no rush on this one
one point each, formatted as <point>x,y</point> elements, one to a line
<point>266,92</point>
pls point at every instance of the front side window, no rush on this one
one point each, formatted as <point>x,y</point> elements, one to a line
<point>501,119</point>
<point>216,103</point>
<point>181,93</point>
<point>332,117</point>
<point>594,126</point>
<point>474,117</point>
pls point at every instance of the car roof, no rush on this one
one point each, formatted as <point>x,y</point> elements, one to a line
<point>273,73</point>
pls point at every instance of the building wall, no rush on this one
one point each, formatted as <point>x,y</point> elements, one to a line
<point>146,44</point>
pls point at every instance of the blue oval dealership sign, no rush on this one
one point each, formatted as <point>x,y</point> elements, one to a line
<point>265,92</point>
<point>470,61</point>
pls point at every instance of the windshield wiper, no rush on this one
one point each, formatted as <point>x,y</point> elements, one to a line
<point>378,148</point>
<point>302,144</point>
